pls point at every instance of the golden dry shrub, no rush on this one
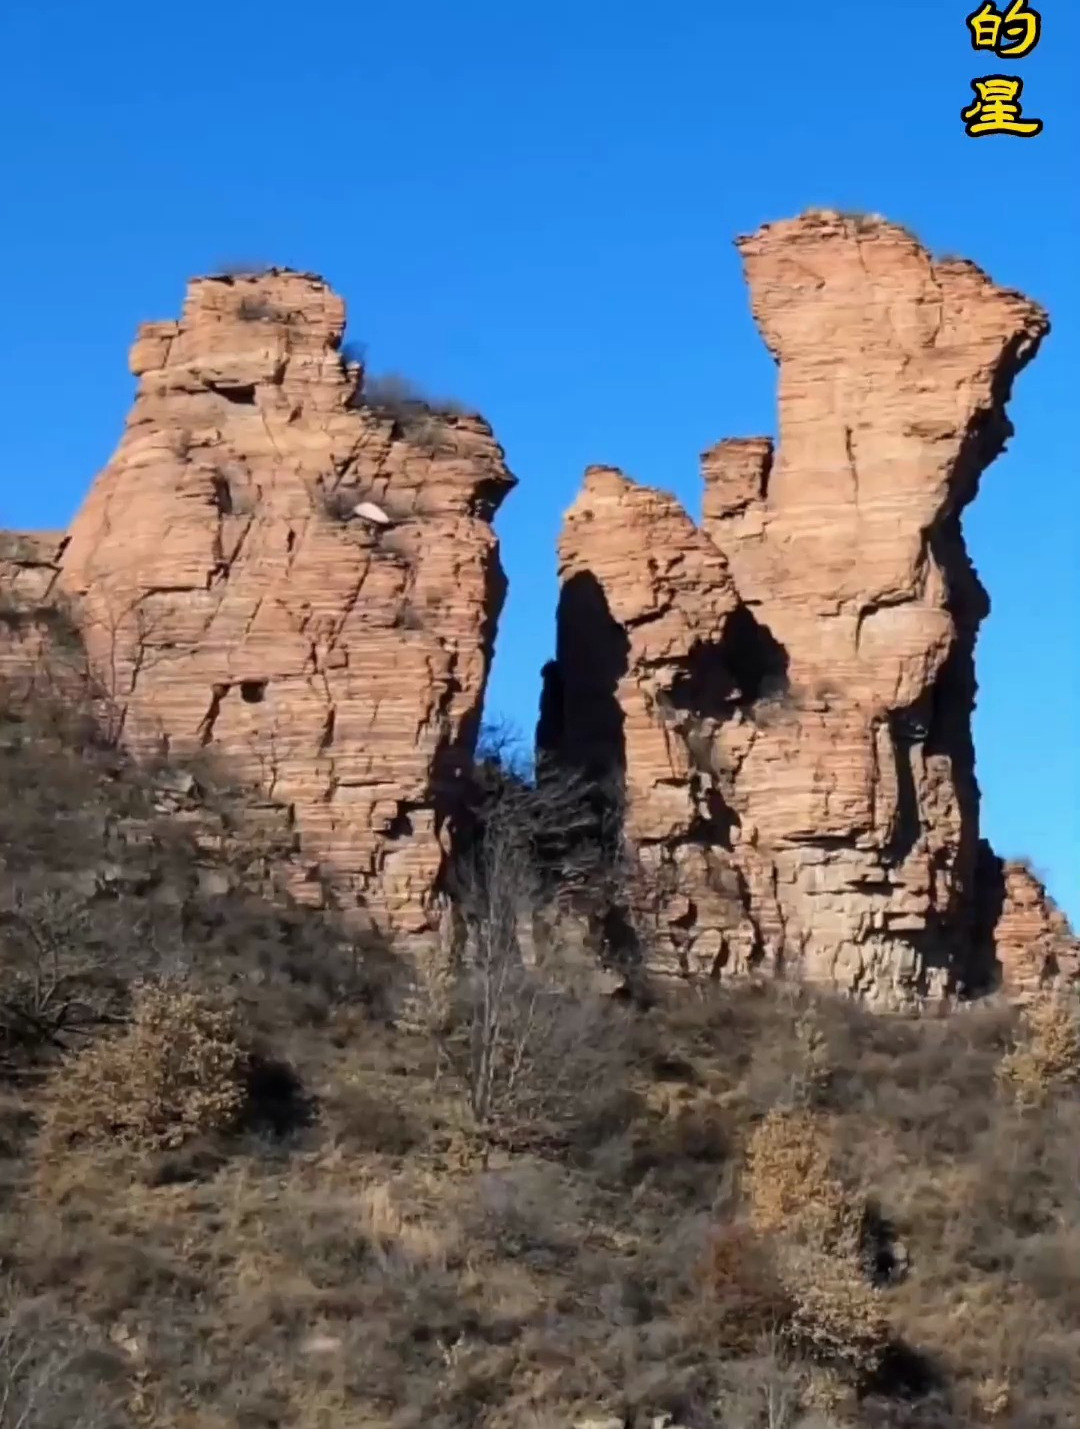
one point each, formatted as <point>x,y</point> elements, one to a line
<point>791,1188</point>
<point>179,1069</point>
<point>742,1296</point>
<point>827,1397</point>
<point>1046,1058</point>
<point>837,1318</point>
<point>815,1225</point>
<point>992,1397</point>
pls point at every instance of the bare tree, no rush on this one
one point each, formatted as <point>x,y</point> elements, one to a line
<point>764,1391</point>
<point>53,1375</point>
<point>503,752</point>
<point>101,677</point>
<point>66,961</point>
<point>129,651</point>
<point>521,1032</point>
<point>44,936</point>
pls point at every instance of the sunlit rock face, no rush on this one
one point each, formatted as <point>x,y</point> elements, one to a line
<point>787,689</point>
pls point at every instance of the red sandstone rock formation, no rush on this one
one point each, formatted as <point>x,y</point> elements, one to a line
<point>786,690</point>
<point>789,688</point>
<point>229,598</point>
<point>1035,949</point>
<point>29,612</point>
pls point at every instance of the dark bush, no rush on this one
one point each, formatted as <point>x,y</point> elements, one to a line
<point>254,309</point>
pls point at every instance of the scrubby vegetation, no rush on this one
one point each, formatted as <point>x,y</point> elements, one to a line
<point>242,268</point>
<point>248,1178</point>
<point>254,309</point>
<point>420,418</point>
<point>177,1069</point>
<point>338,499</point>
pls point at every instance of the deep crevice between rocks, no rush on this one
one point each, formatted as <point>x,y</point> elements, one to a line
<point>581,721</point>
<point>222,493</point>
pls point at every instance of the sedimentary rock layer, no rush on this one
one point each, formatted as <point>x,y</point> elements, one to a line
<point>788,689</point>
<point>1035,949</point>
<point>30,616</point>
<point>229,596</point>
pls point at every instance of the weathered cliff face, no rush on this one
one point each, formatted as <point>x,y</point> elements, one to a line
<point>1035,949</point>
<point>33,626</point>
<point>790,687</point>
<point>230,598</point>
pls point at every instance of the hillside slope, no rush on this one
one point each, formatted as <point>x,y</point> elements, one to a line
<point>243,1183</point>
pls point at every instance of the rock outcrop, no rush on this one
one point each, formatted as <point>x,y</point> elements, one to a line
<point>33,623</point>
<point>230,597</point>
<point>1034,948</point>
<point>787,690</point>
<point>296,570</point>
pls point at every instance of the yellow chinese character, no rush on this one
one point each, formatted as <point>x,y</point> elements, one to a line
<point>1020,27</point>
<point>997,108</point>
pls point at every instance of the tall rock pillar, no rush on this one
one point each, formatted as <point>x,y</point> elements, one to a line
<point>797,683</point>
<point>231,597</point>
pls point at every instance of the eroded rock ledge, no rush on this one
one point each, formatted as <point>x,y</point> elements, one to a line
<point>787,690</point>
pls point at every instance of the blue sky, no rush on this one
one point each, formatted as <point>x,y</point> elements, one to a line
<point>532,206</point>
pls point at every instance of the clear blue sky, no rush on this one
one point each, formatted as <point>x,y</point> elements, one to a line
<point>531,205</point>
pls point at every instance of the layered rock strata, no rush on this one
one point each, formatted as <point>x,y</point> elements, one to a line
<point>787,689</point>
<point>1035,950</point>
<point>298,573</point>
<point>231,597</point>
<point>32,621</point>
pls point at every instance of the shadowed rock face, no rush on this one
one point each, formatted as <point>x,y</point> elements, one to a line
<point>29,567</point>
<point>229,599</point>
<point>796,682</point>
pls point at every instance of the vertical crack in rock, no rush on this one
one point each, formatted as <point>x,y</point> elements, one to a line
<point>801,667</point>
<point>210,718</point>
<point>326,734</point>
<point>242,407</point>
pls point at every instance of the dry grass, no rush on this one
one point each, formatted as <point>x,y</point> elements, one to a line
<point>421,419</point>
<point>754,1209</point>
<point>257,309</point>
<point>56,1372</point>
<point>372,1268</point>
